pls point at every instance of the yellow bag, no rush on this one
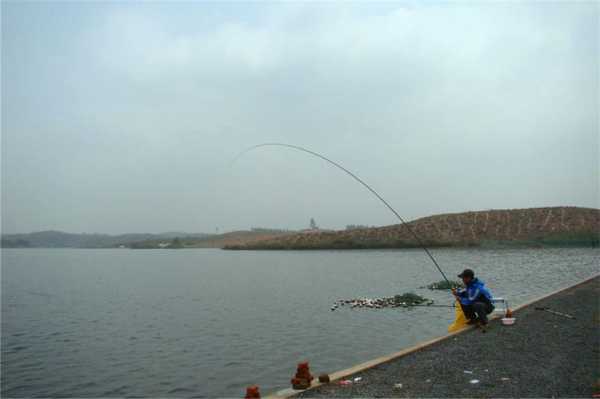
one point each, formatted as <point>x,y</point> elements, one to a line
<point>460,320</point>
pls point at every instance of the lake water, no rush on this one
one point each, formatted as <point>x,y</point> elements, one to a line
<point>183,323</point>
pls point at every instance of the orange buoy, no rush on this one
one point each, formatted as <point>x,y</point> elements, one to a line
<point>252,392</point>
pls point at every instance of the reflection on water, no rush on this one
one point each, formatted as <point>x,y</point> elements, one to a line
<point>209,322</point>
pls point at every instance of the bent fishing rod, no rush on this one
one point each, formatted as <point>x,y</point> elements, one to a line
<point>358,179</point>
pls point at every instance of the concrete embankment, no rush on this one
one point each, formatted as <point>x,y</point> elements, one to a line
<point>544,354</point>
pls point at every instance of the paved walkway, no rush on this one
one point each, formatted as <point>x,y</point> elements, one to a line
<point>542,355</point>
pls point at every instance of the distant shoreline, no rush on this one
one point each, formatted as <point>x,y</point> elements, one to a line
<point>510,228</point>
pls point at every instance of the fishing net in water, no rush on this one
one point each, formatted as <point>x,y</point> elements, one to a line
<point>410,299</point>
<point>444,285</point>
<point>404,300</point>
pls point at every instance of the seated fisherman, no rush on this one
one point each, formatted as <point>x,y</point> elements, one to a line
<point>475,299</point>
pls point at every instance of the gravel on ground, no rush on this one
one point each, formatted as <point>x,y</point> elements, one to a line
<point>542,355</point>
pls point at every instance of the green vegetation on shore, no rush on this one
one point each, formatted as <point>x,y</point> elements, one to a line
<point>172,240</point>
<point>534,227</point>
<point>59,239</point>
<point>211,241</point>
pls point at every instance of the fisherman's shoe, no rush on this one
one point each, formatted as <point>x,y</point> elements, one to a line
<point>482,326</point>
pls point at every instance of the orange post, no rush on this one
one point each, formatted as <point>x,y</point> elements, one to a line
<point>303,378</point>
<point>252,392</point>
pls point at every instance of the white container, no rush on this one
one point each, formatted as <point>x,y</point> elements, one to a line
<point>508,321</point>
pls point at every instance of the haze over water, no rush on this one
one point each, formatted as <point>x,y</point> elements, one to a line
<point>91,323</point>
<point>122,117</point>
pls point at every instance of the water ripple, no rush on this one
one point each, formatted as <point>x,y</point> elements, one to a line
<point>208,323</point>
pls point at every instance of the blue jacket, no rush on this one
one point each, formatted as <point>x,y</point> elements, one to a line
<point>474,290</point>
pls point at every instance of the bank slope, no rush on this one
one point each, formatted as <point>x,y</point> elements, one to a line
<point>555,226</point>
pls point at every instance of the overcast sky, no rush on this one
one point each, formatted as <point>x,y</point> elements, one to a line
<point>124,117</point>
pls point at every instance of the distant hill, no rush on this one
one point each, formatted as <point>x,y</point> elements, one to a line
<point>59,239</point>
<point>557,226</point>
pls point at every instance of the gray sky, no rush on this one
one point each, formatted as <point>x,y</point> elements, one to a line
<point>123,116</point>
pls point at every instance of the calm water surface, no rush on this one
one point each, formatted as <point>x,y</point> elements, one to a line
<point>183,323</point>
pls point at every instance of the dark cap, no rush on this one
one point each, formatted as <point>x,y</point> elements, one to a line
<point>467,273</point>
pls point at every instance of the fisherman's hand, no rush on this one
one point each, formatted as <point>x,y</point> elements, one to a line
<point>454,292</point>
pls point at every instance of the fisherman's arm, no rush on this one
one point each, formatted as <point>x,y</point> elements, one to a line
<point>473,296</point>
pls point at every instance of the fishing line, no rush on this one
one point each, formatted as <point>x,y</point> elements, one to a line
<point>358,179</point>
